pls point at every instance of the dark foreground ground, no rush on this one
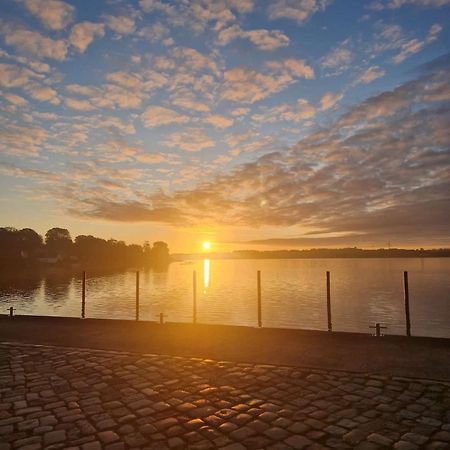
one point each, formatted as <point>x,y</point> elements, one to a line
<point>69,398</point>
<point>388,355</point>
<point>99,384</point>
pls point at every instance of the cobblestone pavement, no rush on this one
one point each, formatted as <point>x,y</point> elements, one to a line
<point>57,398</point>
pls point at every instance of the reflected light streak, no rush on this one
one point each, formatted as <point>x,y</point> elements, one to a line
<point>205,274</point>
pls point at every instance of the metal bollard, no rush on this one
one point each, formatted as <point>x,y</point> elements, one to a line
<point>330,325</point>
<point>258,285</point>
<point>194,297</point>
<point>83,295</point>
<point>161,318</point>
<point>378,327</point>
<point>406,292</point>
<point>11,311</point>
<point>137,295</point>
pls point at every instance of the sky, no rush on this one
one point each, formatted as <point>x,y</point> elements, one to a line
<point>248,123</point>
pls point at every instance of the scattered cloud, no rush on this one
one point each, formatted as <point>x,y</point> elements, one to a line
<point>54,14</point>
<point>84,33</point>
<point>415,45</point>
<point>298,10</point>
<point>267,40</point>
<point>120,24</point>
<point>219,121</point>
<point>329,100</point>
<point>35,43</point>
<point>239,112</point>
<point>189,140</point>
<point>12,76</point>
<point>338,59</point>
<point>370,74</point>
<point>19,140</point>
<point>245,85</point>
<point>155,116</point>
<point>43,94</point>
<point>288,112</point>
<point>395,4</point>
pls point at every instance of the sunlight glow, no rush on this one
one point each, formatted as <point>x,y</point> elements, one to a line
<point>206,245</point>
<point>205,274</point>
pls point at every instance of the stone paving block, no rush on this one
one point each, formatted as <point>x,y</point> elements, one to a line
<point>87,399</point>
<point>54,437</point>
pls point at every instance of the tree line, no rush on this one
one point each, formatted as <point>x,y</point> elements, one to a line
<point>20,248</point>
<point>352,252</point>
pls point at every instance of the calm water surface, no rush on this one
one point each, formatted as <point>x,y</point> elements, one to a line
<point>363,291</point>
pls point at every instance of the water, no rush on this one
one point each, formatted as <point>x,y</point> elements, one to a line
<point>363,291</point>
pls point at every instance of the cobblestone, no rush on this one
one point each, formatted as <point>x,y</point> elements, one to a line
<point>66,398</point>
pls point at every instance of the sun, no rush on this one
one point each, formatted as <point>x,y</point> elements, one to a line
<point>206,245</point>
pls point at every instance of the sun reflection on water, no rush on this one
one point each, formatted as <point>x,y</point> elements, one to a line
<point>205,275</point>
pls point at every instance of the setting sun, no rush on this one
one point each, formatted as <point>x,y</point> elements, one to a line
<point>206,245</point>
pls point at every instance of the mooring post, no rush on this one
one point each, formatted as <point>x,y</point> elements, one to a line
<point>194,297</point>
<point>408,320</point>
<point>378,327</point>
<point>330,325</point>
<point>258,282</point>
<point>137,295</point>
<point>161,318</point>
<point>83,296</point>
<point>11,311</point>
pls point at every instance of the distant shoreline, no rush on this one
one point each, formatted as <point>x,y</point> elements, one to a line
<point>346,253</point>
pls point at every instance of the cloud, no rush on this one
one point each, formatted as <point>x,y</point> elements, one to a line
<point>83,34</point>
<point>79,105</point>
<point>245,85</point>
<point>19,140</point>
<point>150,158</point>
<point>369,75</point>
<point>119,150</point>
<point>415,45</point>
<point>43,94</point>
<point>289,112</point>
<point>34,65</point>
<point>392,37</point>
<point>190,140</point>
<point>395,4</point>
<point>155,116</point>
<point>194,60</point>
<point>126,92</point>
<point>390,167</point>
<point>12,76</point>
<point>120,24</point>
<point>155,32</point>
<point>54,14</point>
<point>339,58</point>
<point>239,112</point>
<point>15,99</point>
<point>267,40</point>
<point>35,43</point>
<point>330,99</point>
<point>127,211</point>
<point>12,170</point>
<point>298,10</point>
<point>296,68</point>
<point>187,100</point>
<point>219,121</point>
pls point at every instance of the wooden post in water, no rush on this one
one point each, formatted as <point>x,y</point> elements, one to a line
<point>83,296</point>
<point>408,320</point>
<point>194,297</point>
<point>330,325</point>
<point>137,295</point>
<point>258,280</point>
